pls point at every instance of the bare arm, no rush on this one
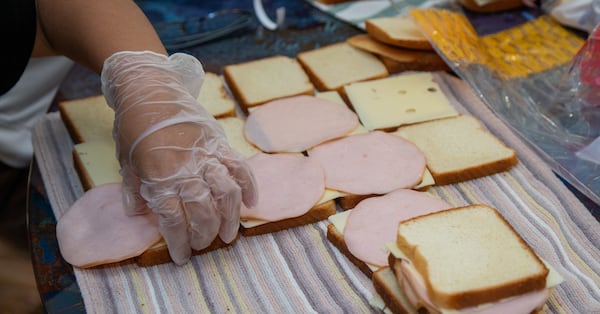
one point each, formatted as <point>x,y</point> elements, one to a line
<point>89,31</point>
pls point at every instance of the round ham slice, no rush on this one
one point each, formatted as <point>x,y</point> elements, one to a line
<point>289,185</point>
<point>297,123</point>
<point>96,231</point>
<point>374,222</point>
<point>371,163</point>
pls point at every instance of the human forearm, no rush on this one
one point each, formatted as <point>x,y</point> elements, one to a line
<point>90,31</point>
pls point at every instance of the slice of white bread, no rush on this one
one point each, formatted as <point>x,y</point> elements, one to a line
<point>459,149</point>
<point>256,82</point>
<point>387,287</point>
<point>333,66</point>
<point>398,31</point>
<point>411,97</point>
<point>467,256</point>
<point>214,97</point>
<point>87,119</point>
<point>398,59</point>
<point>91,119</point>
<point>96,163</point>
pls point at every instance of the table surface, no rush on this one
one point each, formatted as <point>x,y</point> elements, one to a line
<point>306,28</point>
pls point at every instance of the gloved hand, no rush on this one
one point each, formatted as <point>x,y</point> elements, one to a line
<point>174,156</point>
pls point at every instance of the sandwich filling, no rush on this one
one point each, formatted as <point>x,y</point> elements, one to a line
<point>289,185</point>
<point>371,163</point>
<point>374,222</point>
<point>416,292</point>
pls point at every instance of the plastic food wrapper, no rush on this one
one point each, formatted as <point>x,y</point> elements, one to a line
<point>539,78</point>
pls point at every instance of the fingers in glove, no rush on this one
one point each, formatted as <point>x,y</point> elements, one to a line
<point>203,216</point>
<point>133,201</point>
<point>227,195</point>
<point>174,228</point>
<point>241,173</point>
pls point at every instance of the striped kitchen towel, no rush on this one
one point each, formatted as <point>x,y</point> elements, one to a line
<point>298,270</point>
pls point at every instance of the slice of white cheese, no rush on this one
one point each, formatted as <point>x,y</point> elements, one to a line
<point>234,131</point>
<point>99,162</point>
<point>394,101</point>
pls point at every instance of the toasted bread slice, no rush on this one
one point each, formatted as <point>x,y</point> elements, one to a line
<point>333,66</point>
<point>473,257</point>
<point>256,82</point>
<point>459,149</point>
<point>399,31</point>
<point>398,59</point>
<point>87,119</point>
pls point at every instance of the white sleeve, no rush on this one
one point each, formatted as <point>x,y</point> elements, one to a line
<point>25,103</point>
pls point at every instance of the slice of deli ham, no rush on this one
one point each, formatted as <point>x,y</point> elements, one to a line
<point>374,222</point>
<point>289,185</point>
<point>372,163</point>
<point>96,231</point>
<point>297,123</point>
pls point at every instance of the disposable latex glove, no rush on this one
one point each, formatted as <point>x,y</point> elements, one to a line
<point>174,156</point>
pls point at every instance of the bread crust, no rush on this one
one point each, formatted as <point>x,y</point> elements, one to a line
<point>317,213</point>
<point>238,92</point>
<point>495,6</point>
<point>337,239</point>
<point>397,59</point>
<point>319,83</point>
<point>350,201</point>
<point>424,64</point>
<point>389,297</point>
<point>159,254</point>
<point>476,171</point>
<point>383,36</point>
<point>478,296</point>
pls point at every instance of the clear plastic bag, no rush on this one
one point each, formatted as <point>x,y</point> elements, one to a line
<point>539,78</point>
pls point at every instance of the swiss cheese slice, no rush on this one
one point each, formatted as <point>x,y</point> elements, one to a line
<point>398,100</point>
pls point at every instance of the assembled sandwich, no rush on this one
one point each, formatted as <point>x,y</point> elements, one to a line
<point>463,260</point>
